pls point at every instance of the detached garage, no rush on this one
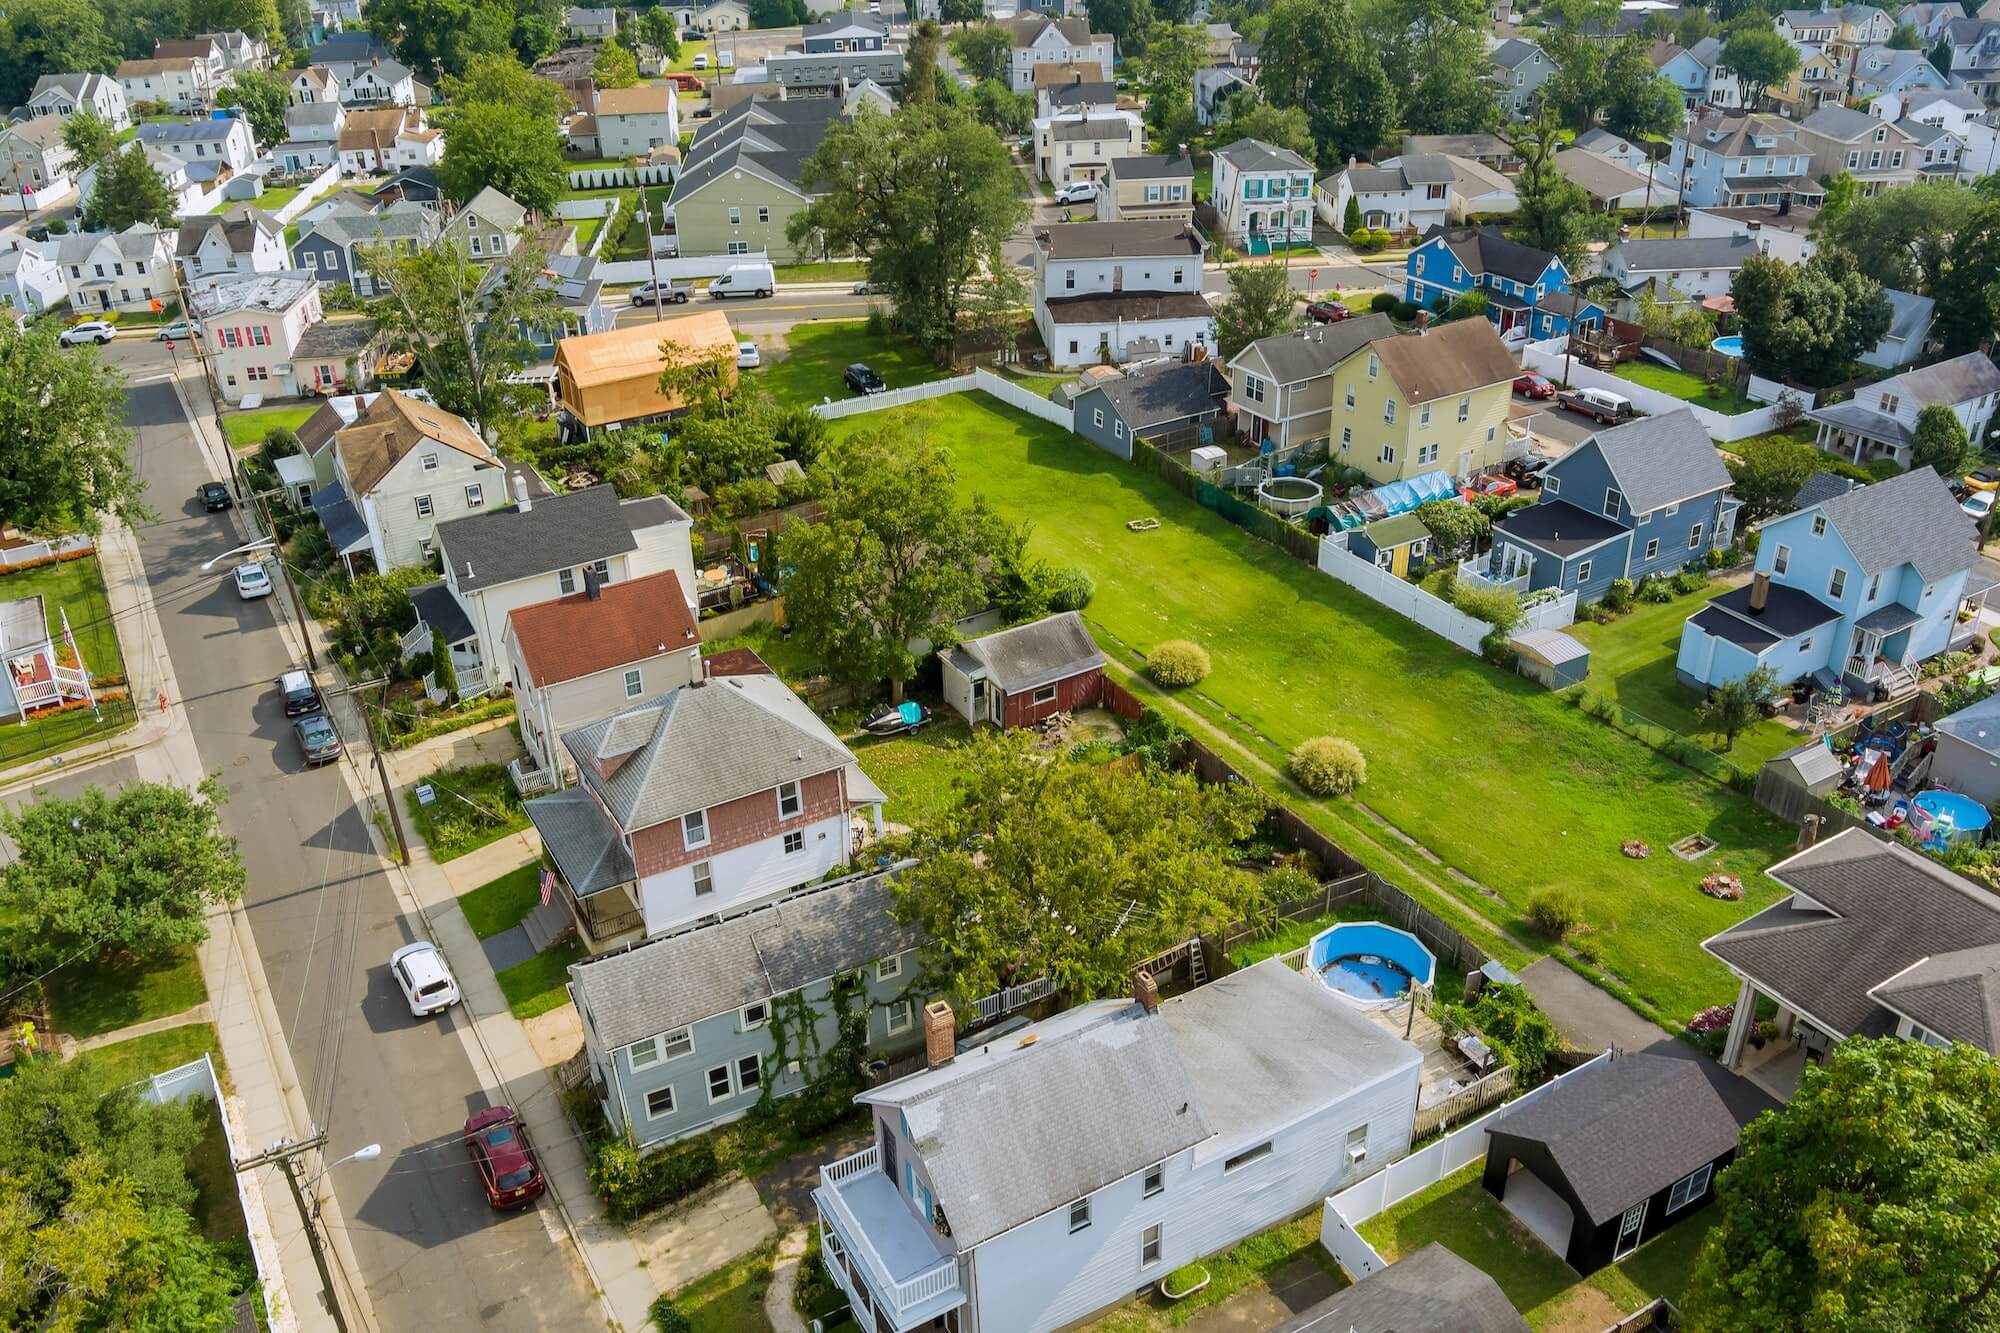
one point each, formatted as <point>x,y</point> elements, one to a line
<point>1017,677</point>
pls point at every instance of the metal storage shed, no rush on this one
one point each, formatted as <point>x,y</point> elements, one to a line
<point>1787,783</point>
<point>1551,657</point>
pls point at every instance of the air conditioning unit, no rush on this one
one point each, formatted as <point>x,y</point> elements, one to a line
<point>1357,1152</point>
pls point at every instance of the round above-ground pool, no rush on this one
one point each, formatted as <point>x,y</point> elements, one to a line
<point>1958,816</point>
<point>1730,346</point>
<point>1288,497</point>
<point>1368,963</point>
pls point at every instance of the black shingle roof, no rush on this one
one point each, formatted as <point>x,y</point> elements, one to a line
<point>559,532</point>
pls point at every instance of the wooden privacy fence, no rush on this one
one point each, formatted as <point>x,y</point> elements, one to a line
<point>1488,1091</point>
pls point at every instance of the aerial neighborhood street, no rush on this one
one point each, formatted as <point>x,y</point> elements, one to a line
<point>1125,665</point>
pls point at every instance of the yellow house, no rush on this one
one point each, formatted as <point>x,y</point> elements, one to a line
<point>1817,79</point>
<point>1423,402</point>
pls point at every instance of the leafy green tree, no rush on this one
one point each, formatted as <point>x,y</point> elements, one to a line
<point>1456,529</point>
<point>1000,107</point>
<point>1046,867</point>
<point>920,62</point>
<point>134,25</point>
<point>1903,238</point>
<point>51,36</point>
<point>1126,20</point>
<point>63,461</point>
<point>614,67</point>
<point>1872,1201</point>
<point>259,18</point>
<point>658,30</point>
<point>90,137</point>
<point>499,80</point>
<point>778,13</point>
<point>1735,705</point>
<point>1261,302</point>
<point>1812,319</point>
<point>439,37</point>
<point>1940,56</point>
<point>1760,57</point>
<point>535,36</point>
<point>172,1278</point>
<point>1906,38</point>
<point>1842,192</point>
<point>1637,101</point>
<point>263,97</point>
<point>467,339</point>
<point>1350,220</point>
<point>981,51</point>
<point>1766,473</point>
<point>1281,127</point>
<point>128,191</point>
<point>1964,290</point>
<point>1554,213</point>
<point>1440,47</point>
<point>508,147</point>
<point>1174,51</point>
<point>894,558</point>
<point>929,194</point>
<point>1692,26</point>
<point>1317,58</point>
<point>1940,442</point>
<point>961,12</point>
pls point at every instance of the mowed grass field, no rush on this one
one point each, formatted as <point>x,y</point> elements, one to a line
<point>1501,780</point>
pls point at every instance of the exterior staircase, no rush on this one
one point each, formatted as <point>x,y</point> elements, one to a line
<point>548,923</point>
<point>1899,681</point>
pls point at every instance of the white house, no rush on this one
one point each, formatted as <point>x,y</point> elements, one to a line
<point>66,94</point>
<point>381,139</point>
<point>632,122</point>
<point>1041,40</point>
<point>1415,191</point>
<point>1612,148</point>
<point>36,167</point>
<point>1909,330</point>
<point>31,281</point>
<point>1122,290</point>
<point>252,328</point>
<point>378,82</point>
<point>1960,113</point>
<point>1264,194</point>
<point>315,122</point>
<point>209,148</point>
<point>1880,421</point>
<point>1081,145</point>
<point>183,85</point>
<point>406,466</point>
<point>1781,232</point>
<point>315,83</point>
<point>1696,267</point>
<point>590,25</point>
<point>124,271</point>
<point>1025,1184</point>
<point>241,243</point>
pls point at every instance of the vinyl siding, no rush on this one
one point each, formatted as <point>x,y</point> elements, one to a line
<point>702,219</point>
<point>401,530</point>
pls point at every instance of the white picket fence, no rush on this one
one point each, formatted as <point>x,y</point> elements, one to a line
<point>1345,1211</point>
<point>1548,357</point>
<point>981,380</point>
<point>611,178</point>
<point>1404,598</point>
<point>42,550</point>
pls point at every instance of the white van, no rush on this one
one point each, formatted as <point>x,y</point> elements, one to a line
<point>744,280</point>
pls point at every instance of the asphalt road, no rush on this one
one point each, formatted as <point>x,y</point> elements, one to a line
<point>325,920</point>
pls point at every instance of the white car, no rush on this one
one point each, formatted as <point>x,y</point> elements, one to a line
<point>421,974</point>
<point>252,582</point>
<point>90,331</point>
<point>747,355</point>
<point>179,331</point>
<point>1077,192</point>
<point>1978,505</point>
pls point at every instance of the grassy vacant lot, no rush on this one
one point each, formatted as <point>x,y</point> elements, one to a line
<point>1632,662</point>
<point>245,429</point>
<point>821,353</point>
<point>832,270</point>
<point>158,1052</point>
<point>536,986</point>
<point>112,993</point>
<point>472,807</point>
<point>1504,782</point>
<point>916,771</point>
<point>503,903</point>
<point>1688,388</point>
<point>1459,1214</point>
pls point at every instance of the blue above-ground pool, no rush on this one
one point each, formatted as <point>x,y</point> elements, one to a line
<point>1730,346</point>
<point>1368,963</point>
<point>1959,817</point>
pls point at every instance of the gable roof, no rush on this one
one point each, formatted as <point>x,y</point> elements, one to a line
<point>699,746</point>
<point>1151,166</point>
<point>769,140</point>
<point>559,532</point>
<point>1460,356</point>
<point>1956,993</point>
<point>80,87</point>
<point>1844,123</point>
<point>1318,348</point>
<point>1977,724</point>
<point>1862,911</point>
<point>580,635</point>
<point>1622,1131</point>
<point>677,980</point>
<point>240,230</point>
<point>1256,155</point>
<point>1909,314</point>
<point>1958,380</point>
<point>1512,52</point>
<point>1431,1291</point>
<point>275,293</point>
<point>1109,240</point>
<point>1599,176</point>
<point>401,220</point>
<point>1661,460</point>
<point>1026,30</point>
<point>1911,518</point>
<point>1164,392</point>
<point>492,206</point>
<point>645,99</point>
<point>1823,485</point>
<point>1485,250</point>
<point>393,427</point>
<point>1687,252</point>
<point>378,128</point>
<point>1028,656</point>
<point>1458,145</point>
<point>195,131</point>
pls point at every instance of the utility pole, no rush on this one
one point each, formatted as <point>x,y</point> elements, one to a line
<point>382,771</point>
<point>286,1154</point>
<point>198,337</point>
<point>652,260</point>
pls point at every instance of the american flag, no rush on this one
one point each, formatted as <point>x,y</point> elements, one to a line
<point>548,886</point>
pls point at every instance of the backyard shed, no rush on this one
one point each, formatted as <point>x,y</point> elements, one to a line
<point>1395,544</point>
<point>1611,1156</point>
<point>1789,783</point>
<point>1017,677</point>
<point>1968,751</point>
<point>605,379</point>
<point>1431,1291</point>
<point>1551,657</point>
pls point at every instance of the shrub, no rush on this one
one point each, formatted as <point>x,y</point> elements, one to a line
<point>1497,648</point>
<point>1329,766</point>
<point>1496,606</point>
<point>1518,1032</point>
<point>1362,239</point>
<point>877,325</point>
<point>1690,581</point>
<point>1380,236</point>
<point>1406,310</point>
<point>1555,913</point>
<point>1655,590</point>
<point>1946,664</point>
<point>1070,588</point>
<point>1619,596</point>
<point>667,1318</point>
<point>1382,303</point>
<point>1881,469</point>
<point>631,1185</point>
<point>1177,663</point>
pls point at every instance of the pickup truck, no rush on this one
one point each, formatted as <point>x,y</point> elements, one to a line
<point>1608,408</point>
<point>665,293</point>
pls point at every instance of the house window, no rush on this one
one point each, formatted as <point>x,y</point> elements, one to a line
<point>694,829</point>
<point>1819,525</point>
<point>749,1072</point>
<point>1417,266</point>
<point>719,1085</point>
<point>634,683</point>
<point>902,1016</point>
<point>1389,411</point>
<point>475,495</point>
<point>1612,500</point>
<point>1149,1246</point>
<point>1427,453</point>
<point>1045,695</point>
<point>1374,365</point>
<point>756,1015</point>
<point>1155,1181</point>
<point>1552,485</point>
<point>1097,418</point>
<point>790,802</point>
<point>739,247</point>
<point>476,243</point>
<point>258,336</point>
<point>1388,453</point>
<point>704,879</point>
<point>1689,1188</point>
<point>1583,574</point>
<point>735,217</point>
<point>763,214</point>
<point>1424,416</point>
<point>1694,538</point>
<point>660,1102</point>
<point>888,969</point>
<point>430,462</point>
<point>565,581</point>
<point>1350,397</point>
<point>794,843</point>
<point>1781,559</point>
<point>1385,558</point>
<point>1652,548</point>
<point>1346,437</point>
<point>666,1046</point>
<point>1874,587</point>
<point>1253,388</point>
<point>1357,1144</point>
<point>423,506</point>
<point>1079,1216</point>
<point>1836,586</point>
<point>1889,404</point>
<point>1247,1156</point>
<point>1465,408</point>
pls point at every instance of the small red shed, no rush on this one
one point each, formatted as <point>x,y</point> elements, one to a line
<point>1017,677</point>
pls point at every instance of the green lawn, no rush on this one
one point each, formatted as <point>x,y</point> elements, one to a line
<point>1502,780</point>
<point>75,587</point>
<point>504,902</point>
<point>270,201</point>
<point>1297,934</point>
<point>586,231</point>
<point>216,1206</point>
<point>915,770</point>
<point>245,429</point>
<point>820,354</point>
<point>56,733</point>
<point>157,1052</point>
<point>834,270</point>
<point>1688,388</point>
<point>536,986</point>
<point>684,62</point>
<point>731,1299</point>
<point>1242,1268</point>
<point>88,1001</point>
<point>786,656</point>
<point>1459,1214</point>
<point>1632,662</point>
<point>472,807</point>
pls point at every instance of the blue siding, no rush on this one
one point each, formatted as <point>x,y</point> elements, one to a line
<point>1089,407</point>
<point>332,268</point>
<point>1437,279</point>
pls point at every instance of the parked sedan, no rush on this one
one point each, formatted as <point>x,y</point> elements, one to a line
<point>1979,504</point>
<point>90,331</point>
<point>421,974</point>
<point>1984,478</point>
<point>866,288</point>
<point>215,497</point>
<point>860,379</point>
<point>1327,312</point>
<point>498,1145</point>
<point>252,582</point>
<point>747,355</point>
<point>319,743</point>
<point>179,331</point>
<point>1529,384</point>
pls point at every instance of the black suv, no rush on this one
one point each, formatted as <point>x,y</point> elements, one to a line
<point>863,380</point>
<point>215,496</point>
<point>301,695</point>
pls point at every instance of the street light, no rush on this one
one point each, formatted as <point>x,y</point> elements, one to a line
<point>260,544</point>
<point>364,1154</point>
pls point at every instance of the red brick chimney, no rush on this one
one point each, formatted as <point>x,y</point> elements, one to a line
<point>1146,991</point>
<point>939,1034</point>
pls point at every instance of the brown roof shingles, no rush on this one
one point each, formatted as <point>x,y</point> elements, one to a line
<point>580,635</point>
<point>392,427</point>
<point>1463,355</point>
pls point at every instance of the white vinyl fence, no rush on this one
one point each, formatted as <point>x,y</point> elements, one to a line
<point>1405,599</point>
<point>1557,612</point>
<point>980,380</point>
<point>1418,1172</point>
<point>307,196</point>
<point>42,550</point>
<point>1547,357</point>
<point>572,209</point>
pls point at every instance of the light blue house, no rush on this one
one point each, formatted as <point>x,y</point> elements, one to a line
<point>1742,161</point>
<point>1516,280</point>
<point>1857,588</point>
<point>1645,498</point>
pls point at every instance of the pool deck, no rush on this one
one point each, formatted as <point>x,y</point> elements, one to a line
<point>1443,1064</point>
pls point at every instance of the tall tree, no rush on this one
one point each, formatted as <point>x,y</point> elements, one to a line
<point>1964,290</point>
<point>1903,238</point>
<point>134,25</point>
<point>894,558</point>
<point>1000,107</point>
<point>132,872</point>
<point>1043,866</point>
<point>465,326</point>
<point>1842,193</point>
<point>439,37</point>
<point>500,80</point>
<point>1440,46</point>
<point>778,13</point>
<point>90,137</point>
<point>1734,706</point>
<point>1126,20</point>
<point>535,36</point>
<point>981,51</point>
<point>1637,102</point>
<point>63,463</point>
<point>263,97</point>
<point>259,18</point>
<point>1940,442</point>
<point>128,191</point>
<point>1316,58</point>
<point>961,11</point>
<point>1554,213</point>
<point>614,67</point>
<point>1281,127</point>
<point>920,62</point>
<point>929,195</point>
<point>1872,1201</point>
<point>1906,38</point>
<point>508,147</point>
<point>1940,56</point>
<point>658,30</point>
<point>51,37</point>
<point>1810,320</point>
<point>1261,303</point>
<point>1760,57</point>
<point>1767,472</point>
<point>1174,51</point>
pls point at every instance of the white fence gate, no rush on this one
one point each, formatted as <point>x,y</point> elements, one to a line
<point>980,380</point>
<point>1405,599</point>
<point>1548,357</point>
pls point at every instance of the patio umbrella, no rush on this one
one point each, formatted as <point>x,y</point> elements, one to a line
<point>1878,773</point>
<point>1722,304</point>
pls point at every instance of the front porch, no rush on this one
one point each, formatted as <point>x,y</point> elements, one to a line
<point>888,1262</point>
<point>594,875</point>
<point>438,613</point>
<point>1851,431</point>
<point>1773,1054</point>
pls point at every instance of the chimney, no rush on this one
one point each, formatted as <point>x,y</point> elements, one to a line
<point>1146,991</point>
<point>522,500</point>
<point>1760,592</point>
<point>939,1032</point>
<point>1808,831</point>
<point>593,584</point>
<point>1423,320</point>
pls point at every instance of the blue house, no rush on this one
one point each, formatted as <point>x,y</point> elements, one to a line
<point>1515,279</point>
<point>1644,498</point>
<point>1857,588</point>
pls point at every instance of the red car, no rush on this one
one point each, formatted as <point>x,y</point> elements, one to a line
<point>1327,312</point>
<point>498,1145</point>
<point>1531,385</point>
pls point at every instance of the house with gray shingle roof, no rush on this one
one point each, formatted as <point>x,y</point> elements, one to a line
<point>66,94</point>
<point>332,248</point>
<point>1880,421</point>
<point>1909,329</point>
<point>1520,68</point>
<point>1035,1181</point>
<point>1875,940</point>
<point>1020,676</point>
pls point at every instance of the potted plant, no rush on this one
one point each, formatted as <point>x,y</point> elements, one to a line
<point>1183,1282</point>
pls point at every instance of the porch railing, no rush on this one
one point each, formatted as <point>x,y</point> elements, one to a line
<point>938,1280</point>
<point>1477,570</point>
<point>417,640</point>
<point>1012,998</point>
<point>530,779</point>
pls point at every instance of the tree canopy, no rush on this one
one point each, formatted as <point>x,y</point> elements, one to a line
<point>128,191</point>
<point>1554,213</point>
<point>1281,127</point>
<point>1940,442</point>
<point>511,147</point>
<point>1261,302</point>
<point>1812,319</point>
<point>981,50</point>
<point>63,461</point>
<point>440,37</point>
<point>1437,49</point>
<point>90,137</point>
<point>500,79</point>
<point>1043,866</point>
<point>51,36</point>
<point>1126,20</point>
<point>1766,473</point>
<point>263,97</point>
<point>1760,56</point>
<point>614,67</point>
<point>1902,238</point>
<point>1317,58</point>
<point>1871,1202</point>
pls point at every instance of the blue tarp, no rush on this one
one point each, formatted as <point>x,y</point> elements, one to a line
<point>910,713</point>
<point>1400,497</point>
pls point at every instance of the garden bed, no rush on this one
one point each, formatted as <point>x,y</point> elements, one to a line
<point>471,808</point>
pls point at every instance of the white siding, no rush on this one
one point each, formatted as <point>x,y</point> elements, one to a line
<point>758,870</point>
